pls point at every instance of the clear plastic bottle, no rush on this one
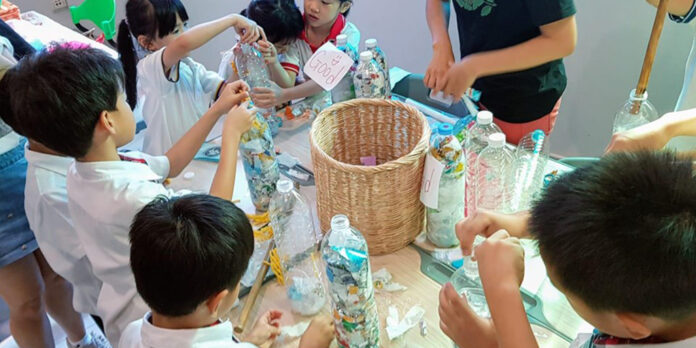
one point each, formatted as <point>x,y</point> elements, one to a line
<point>637,111</point>
<point>251,68</point>
<point>345,90</point>
<point>472,290</point>
<point>296,241</point>
<point>446,148</point>
<point>369,79</point>
<point>349,277</point>
<point>476,141</point>
<point>492,169</point>
<point>527,171</point>
<point>381,58</point>
<point>260,165</point>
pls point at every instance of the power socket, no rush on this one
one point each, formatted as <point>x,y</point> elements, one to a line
<point>58,4</point>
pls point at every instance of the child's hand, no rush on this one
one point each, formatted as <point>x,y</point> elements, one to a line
<point>319,334</point>
<point>267,98</point>
<point>238,121</point>
<point>458,79</point>
<point>247,29</point>
<point>461,324</point>
<point>500,260</point>
<point>486,223</point>
<point>439,65</point>
<point>266,329</point>
<point>651,136</point>
<point>232,94</point>
<point>270,54</point>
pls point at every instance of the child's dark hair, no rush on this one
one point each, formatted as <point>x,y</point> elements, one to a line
<point>185,250</point>
<point>621,234</point>
<point>56,96</point>
<point>281,20</point>
<point>151,18</point>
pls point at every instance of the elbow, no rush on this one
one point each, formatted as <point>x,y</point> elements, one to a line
<point>568,47</point>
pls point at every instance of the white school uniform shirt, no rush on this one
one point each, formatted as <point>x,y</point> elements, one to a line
<point>583,341</point>
<point>142,334</point>
<point>103,198</point>
<point>171,104</point>
<point>46,205</point>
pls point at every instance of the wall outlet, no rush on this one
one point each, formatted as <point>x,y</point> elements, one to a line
<point>58,4</point>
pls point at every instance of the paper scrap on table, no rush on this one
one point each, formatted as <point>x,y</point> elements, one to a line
<point>328,66</point>
<point>410,320</point>
<point>383,282</point>
<point>287,333</point>
<point>431,181</point>
<point>368,161</point>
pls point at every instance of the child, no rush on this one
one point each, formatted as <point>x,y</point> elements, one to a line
<point>282,24</point>
<point>618,238</point>
<point>324,20</point>
<point>26,270</point>
<point>188,255</point>
<point>88,120</point>
<point>174,89</point>
<point>511,51</point>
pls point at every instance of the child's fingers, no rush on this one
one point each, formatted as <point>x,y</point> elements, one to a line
<point>263,34</point>
<point>499,236</point>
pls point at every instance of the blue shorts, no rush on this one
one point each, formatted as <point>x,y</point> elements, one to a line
<point>16,239</point>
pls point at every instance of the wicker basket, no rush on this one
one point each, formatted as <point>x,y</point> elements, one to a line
<point>383,201</point>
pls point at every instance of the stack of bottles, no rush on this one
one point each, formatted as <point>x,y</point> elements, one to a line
<point>371,76</point>
<point>296,241</point>
<point>526,175</point>
<point>476,141</point>
<point>251,68</point>
<point>445,148</point>
<point>349,277</point>
<point>345,90</point>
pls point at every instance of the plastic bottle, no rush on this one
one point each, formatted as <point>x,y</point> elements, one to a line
<point>251,67</point>
<point>345,90</point>
<point>381,58</point>
<point>446,148</point>
<point>349,277</point>
<point>492,169</point>
<point>369,79</point>
<point>260,165</point>
<point>296,241</point>
<point>527,171</point>
<point>637,111</point>
<point>476,141</point>
<point>472,290</point>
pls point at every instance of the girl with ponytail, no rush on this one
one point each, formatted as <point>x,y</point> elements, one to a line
<point>170,89</point>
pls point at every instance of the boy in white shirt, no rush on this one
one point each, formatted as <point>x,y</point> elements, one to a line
<point>88,120</point>
<point>188,255</point>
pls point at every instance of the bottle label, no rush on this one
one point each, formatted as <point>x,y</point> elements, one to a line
<point>431,181</point>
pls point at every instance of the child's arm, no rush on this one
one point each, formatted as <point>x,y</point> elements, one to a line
<point>486,223</point>
<point>655,135</point>
<point>238,121</point>
<point>676,7</point>
<point>202,33</point>
<point>270,97</point>
<point>557,40</point>
<point>319,334</point>
<point>437,13</point>
<point>279,75</point>
<point>501,266</point>
<point>181,154</point>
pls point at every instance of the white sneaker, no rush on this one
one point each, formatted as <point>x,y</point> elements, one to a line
<point>96,340</point>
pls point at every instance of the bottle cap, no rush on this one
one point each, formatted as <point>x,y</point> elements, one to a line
<point>484,118</point>
<point>371,43</point>
<point>496,140</point>
<point>446,129</point>
<point>366,56</point>
<point>341,40</point>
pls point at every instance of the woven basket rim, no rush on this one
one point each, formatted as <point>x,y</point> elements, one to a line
<point>412,157</point>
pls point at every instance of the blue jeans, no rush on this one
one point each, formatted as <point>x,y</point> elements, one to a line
<point>16,239</point>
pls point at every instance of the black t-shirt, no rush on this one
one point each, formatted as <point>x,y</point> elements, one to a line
<point>486,25</point>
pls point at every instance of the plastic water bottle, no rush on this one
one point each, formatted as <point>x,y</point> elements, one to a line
<point>260,165</point>
<point>296,241</point>
<point>446,148</point>
<point>492,168</point>
<point>349,277</point>
<point>369,79</point>
<point>637,111</point>
<point>345,90</point>
<point>527,171</point>
<point>381,58</point>
<point>251,68</point>
<point>476,141</point>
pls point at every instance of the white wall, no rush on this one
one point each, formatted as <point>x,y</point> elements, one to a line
<point>605,67</point>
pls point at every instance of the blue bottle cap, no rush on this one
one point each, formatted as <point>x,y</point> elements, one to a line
<point>446,129</point>
<point>538,135</point>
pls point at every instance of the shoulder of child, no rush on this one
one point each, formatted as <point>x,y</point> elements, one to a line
<point>131,338</point>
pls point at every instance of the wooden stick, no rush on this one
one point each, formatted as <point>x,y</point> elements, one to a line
<point>254,292</point>
<point>650,53</point>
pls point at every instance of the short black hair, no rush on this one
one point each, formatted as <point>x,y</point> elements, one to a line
<point>620,234</point>
<point>57,95</point>
<point>185,250</point>
<point>281,20</point>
